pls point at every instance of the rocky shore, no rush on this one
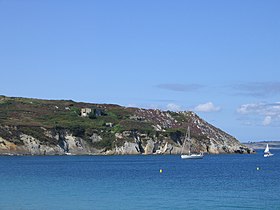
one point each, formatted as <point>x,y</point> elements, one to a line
<point>48,127</point>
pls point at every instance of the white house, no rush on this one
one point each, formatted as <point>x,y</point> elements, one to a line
<point>85,112</point>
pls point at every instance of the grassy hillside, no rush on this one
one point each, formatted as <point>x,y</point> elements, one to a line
<point>52,113</point>
<point>59,124</point>
<point>29,115</point>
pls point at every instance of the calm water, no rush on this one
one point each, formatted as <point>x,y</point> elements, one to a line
<point>134,182</point>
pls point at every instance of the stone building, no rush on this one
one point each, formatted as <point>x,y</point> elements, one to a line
<point>85,112</point>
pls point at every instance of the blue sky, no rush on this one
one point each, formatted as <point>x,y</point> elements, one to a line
<point>220,59</point>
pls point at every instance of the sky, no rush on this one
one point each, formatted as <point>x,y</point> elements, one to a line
<point>220,59</point>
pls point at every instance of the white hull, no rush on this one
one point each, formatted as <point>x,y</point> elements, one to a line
<point>192,156</point>
<point>268,155</point>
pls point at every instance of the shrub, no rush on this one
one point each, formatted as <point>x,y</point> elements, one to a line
<point>77,131</point>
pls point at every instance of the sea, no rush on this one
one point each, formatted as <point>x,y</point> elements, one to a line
<point>140,182</point>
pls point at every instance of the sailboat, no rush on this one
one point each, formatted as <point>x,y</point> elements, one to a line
<point>189,155</point>
<point>267,153</point>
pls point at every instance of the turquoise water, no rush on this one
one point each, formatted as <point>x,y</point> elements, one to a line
<point>135,182</point>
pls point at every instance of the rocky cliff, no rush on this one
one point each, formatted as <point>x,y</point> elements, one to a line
<point>50,127</point>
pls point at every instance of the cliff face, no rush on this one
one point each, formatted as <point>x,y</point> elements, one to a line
<point>48,127</point>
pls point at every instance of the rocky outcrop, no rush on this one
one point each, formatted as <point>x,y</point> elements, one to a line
<point>128,148</point>
<point>126,142</point>
<point>65,143</point>
<point>49,127</point>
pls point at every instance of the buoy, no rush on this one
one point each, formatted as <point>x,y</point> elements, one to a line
<point>160,170</point>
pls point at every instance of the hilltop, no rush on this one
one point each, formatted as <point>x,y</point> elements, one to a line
<point>48,127</point>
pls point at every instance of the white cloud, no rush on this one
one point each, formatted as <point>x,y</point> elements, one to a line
<point>265,109</point>
<point>248,108</point>
<point>152,106</point>
<point>267,120</point>
<point>207,107</point>
<point>173,107</point>
<point>131,105</point>
<point>265,113</point>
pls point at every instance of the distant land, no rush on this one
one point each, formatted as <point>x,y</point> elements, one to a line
<point>262,144</point>
<point>63,127</point>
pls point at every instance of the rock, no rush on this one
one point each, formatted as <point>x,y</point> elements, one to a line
<point>95,138</point>
<point>117,130</point>
<point>149,148</point>
<point>128,149</point>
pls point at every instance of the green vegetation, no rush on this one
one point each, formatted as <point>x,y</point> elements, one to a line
<point>145,127</point>
<point>32,116</point>
<point>106,143</point>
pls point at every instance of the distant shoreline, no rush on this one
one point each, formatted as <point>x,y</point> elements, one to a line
<point>262,144</point>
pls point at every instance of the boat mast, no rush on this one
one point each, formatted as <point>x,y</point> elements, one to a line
<point>184,142</point>
<point>185,139</point>
<point>189,139</point>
